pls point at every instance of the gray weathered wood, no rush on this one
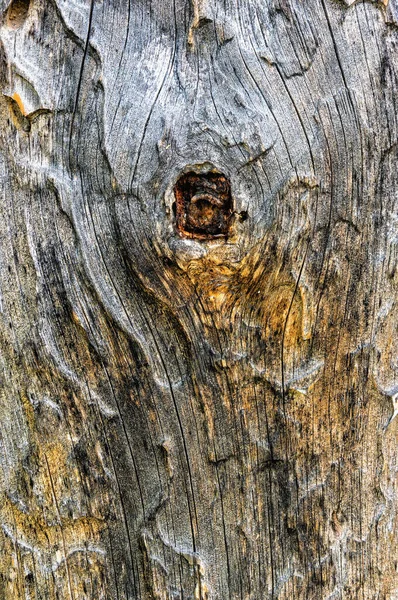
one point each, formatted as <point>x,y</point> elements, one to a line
<point>188,418</point>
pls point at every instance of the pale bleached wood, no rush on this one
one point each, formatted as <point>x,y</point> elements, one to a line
<point>205,419</point>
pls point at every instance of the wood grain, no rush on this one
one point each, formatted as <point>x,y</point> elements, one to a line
<point>212,417</point>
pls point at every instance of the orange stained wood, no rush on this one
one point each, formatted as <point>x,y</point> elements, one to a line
<point>18,100</point>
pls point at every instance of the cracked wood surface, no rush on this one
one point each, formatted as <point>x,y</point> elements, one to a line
<point>198,417</point>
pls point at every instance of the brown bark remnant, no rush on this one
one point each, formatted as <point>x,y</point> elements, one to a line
<point>198,300</point>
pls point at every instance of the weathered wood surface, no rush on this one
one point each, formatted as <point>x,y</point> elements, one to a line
<point>198,418</point>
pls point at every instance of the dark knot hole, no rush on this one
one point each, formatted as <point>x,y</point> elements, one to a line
<point>203,206</point>
<point>17,13</point>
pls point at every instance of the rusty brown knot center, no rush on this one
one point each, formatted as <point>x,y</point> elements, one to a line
<point>203,206</point>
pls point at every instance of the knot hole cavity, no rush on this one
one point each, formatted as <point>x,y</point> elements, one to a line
<point>203,205</point>
<point>17,13</point>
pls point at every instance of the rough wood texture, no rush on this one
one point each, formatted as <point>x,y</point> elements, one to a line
<point>205,418</point>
